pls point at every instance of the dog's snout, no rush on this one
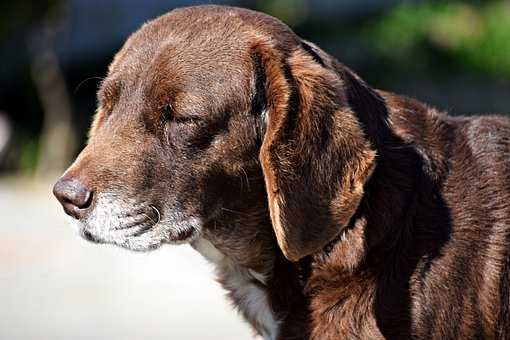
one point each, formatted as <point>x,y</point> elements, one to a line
<point>74,197</point>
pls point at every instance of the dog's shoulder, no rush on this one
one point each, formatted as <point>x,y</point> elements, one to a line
<point>468,208</point>
<point>488,137</point>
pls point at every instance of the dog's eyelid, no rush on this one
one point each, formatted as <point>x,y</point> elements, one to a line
<point>112,85</point>
<point>187,119</point>
<point>169,114</point>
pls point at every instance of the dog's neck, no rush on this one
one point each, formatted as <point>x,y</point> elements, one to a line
<point>247,289</point>
<point>272,302</point>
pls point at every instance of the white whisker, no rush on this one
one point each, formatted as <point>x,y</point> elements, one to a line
<point>157,212</point>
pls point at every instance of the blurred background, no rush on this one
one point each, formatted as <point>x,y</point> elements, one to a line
<point>454,55</point>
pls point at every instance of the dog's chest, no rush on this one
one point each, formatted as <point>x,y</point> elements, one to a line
<point>246,289</point>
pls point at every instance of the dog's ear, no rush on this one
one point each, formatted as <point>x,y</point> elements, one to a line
<point>315,156</point>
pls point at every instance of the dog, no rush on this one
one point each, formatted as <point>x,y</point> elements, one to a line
<point>330,209</point>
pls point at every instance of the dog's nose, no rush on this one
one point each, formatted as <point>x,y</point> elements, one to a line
<point>74,197</point>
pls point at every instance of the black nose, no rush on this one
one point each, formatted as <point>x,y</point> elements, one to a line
<point>74,197</point>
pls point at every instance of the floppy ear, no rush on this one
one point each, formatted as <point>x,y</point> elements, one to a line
<point>315,156</point>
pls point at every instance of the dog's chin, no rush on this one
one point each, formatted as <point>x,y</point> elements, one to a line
<point>141,238</point>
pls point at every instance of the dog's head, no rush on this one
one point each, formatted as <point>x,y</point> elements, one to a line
<point>213,114</point>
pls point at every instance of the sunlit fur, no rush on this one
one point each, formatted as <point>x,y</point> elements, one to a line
<point>245,286</point>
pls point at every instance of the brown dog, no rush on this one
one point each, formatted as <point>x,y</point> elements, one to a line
<point>331,210</point>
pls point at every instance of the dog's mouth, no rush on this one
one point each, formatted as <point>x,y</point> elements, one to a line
<point>140,227</point>
<point>139,222</point>
<point>128,225</point>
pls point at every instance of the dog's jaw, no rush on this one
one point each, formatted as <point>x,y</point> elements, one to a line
<point>246,288</point>
<point>136,226</point>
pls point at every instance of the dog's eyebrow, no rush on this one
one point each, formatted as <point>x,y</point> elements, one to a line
<point>108,90</point>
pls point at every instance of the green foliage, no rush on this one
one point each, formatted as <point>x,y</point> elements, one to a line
<point>474,36</point>
<point>291,12</point>
<point>29,155</point>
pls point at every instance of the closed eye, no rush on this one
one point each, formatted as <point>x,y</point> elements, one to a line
<point>168,114</point>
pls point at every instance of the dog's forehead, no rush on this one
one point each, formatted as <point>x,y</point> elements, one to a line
<point>211,34</point>
<point>184,35</point>
<point>202,59</point>
<point>198,58</point>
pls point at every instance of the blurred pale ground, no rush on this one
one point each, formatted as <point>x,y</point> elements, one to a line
<point>54,285</point>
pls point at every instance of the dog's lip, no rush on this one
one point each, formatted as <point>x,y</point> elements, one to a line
<point>140,221</point>
<point>183,234</point>
<point>147,217</point>
<point>140,224</point>
<point>87,235</point>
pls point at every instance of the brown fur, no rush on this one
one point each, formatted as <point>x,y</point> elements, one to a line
<point>371,215</point>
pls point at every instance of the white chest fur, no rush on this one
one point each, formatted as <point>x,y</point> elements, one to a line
<point>248,296</point>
